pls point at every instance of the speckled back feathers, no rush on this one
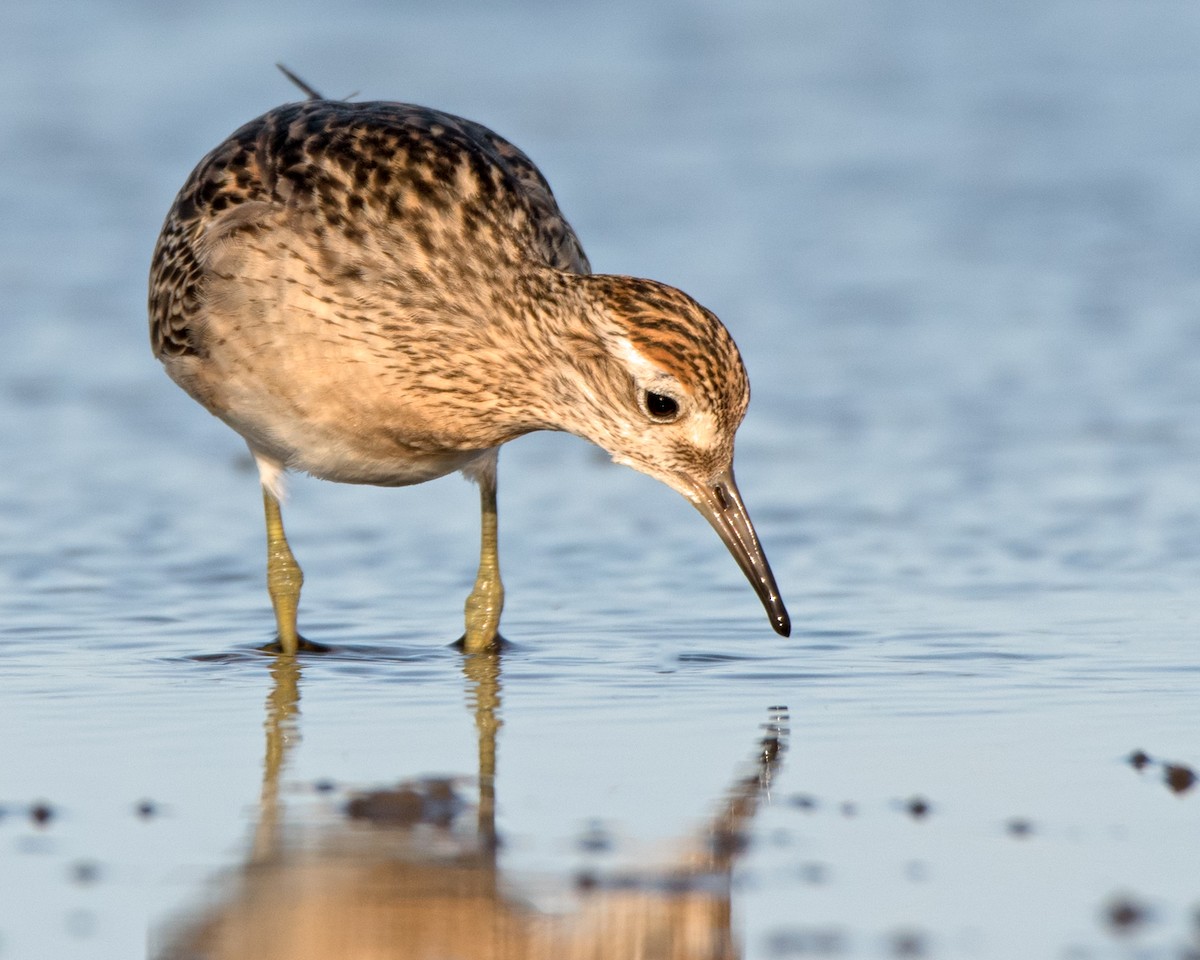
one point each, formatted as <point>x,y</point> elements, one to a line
<point>451,191</point>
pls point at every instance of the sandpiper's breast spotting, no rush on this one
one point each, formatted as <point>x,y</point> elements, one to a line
<point>383,293</point>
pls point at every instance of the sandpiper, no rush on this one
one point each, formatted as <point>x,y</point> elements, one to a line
<point>382,293</point>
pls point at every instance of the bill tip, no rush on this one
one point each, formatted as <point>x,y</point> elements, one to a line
<point>782,623</point>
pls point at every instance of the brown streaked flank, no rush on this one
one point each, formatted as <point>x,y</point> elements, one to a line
<point>382,293</point>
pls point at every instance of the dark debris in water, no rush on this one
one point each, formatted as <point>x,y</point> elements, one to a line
<point>908,943</point>
<point>586,881</point>
<point>1139,760</point>
<point>917,807</point>
<point>85,872</point>
<point>41,813</point>
<point>432,801</point>
<point>146,809</point>
<point>1179,777</point>
<point>1019,827</point>
<point>402,807</point>
<point>1124,914</point>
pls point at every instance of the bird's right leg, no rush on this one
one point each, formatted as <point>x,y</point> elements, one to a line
<point>284,576</point>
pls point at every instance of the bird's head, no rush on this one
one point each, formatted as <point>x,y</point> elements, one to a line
<point>658,382</point>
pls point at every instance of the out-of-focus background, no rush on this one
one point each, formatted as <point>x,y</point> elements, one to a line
<point>959,246</point>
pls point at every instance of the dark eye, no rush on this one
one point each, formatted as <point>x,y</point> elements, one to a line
<point>660,406</point>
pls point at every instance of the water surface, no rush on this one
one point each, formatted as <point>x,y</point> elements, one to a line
<point>957,244</point>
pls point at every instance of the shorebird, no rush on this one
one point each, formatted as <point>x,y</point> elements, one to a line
<point>382,293</point>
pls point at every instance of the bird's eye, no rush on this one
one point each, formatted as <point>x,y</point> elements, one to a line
<point>661,407</point>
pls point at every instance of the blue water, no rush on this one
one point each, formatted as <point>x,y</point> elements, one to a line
<point>958,244</point>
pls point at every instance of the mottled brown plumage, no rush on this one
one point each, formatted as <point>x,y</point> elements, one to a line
<point>382,293</point>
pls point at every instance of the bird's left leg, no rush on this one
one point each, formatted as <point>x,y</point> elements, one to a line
<point>284,577</point>
<point>487,598</point>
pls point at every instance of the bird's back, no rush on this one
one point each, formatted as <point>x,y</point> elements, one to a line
<point>444,205</point>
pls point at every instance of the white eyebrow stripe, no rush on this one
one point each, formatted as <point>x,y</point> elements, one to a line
<point>648,373</point>
<point>637,360</point>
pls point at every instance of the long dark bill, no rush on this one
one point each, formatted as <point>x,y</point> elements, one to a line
<point>722,506</point>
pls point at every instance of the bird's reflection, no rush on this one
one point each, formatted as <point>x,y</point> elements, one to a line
<point>283,732</point>
<point>483,696</point>
<point>412,873</point>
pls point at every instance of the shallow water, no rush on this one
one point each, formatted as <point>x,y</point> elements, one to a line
<point>957,244</point>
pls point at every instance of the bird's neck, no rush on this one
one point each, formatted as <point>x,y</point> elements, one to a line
<point>564,345</point>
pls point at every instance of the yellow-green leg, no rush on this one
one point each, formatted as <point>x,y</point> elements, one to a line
<point>284,576</point>
<point>487,598</point>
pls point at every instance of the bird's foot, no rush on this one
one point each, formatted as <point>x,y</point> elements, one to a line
<point>495,645</point>
<point>302,646</point>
